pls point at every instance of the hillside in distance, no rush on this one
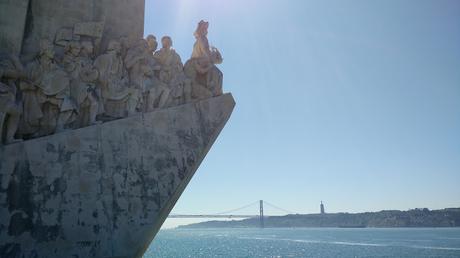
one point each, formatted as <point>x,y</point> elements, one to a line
<point>449,217</point>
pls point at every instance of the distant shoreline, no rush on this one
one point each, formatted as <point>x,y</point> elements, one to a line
<point>416,218</point>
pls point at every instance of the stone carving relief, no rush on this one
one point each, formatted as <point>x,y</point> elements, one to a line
<point>119,98</point>
<point>84,89</point>
<point>48,107</point>
<point>171,72</point>
<point>68,85</point>
<point>141,65</point>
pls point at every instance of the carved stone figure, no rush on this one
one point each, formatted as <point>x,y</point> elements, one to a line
<point>152,42</point>
<point>201,68</point>
<point>119,99</point>
<point>79,65</point>
<point>201,48</point>
<point>10,107</point>
<point>141,66</point>
<point>48,107</point>
<point>104,190</point>
<point>172,72</point>
<point>131,76</point>
<point>125,44</point>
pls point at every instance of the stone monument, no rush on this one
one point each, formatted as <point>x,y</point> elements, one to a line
<point>100,132</point>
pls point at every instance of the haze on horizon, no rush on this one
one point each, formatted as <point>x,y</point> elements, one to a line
<point>356,104</point>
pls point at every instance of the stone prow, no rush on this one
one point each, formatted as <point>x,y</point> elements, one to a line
<point>103,190</point>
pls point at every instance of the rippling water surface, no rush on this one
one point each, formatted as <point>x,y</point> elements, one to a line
<point>317,242</point>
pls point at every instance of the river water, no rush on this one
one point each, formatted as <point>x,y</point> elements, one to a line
<point>312,242</point>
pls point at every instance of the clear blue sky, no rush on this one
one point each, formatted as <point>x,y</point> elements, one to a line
<point>356,103</point>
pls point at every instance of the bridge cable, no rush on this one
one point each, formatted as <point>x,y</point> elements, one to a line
<point>233,210</point>
<point>276,207</point>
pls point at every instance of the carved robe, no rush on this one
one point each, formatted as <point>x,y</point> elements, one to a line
<point>142,67</point>
<point>172,74</point>
<point>206,78</point>
<point>49,84</point>
<point>83,88</point>
<point>119,99</point>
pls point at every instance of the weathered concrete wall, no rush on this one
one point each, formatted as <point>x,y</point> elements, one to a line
<point>12,22</point>
<point>45,17</point>
<point>105,190</point>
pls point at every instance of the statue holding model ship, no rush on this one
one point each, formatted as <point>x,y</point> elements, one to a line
<point>100,131</point>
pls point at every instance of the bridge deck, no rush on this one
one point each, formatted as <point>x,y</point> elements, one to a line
<point>180,216</point>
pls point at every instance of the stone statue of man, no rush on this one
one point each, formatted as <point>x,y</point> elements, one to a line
<point>48,107</point>
<point>152,43</point>
<point>142,66</point>
<point>172,72</point>
<point>79,65</point>
<point>206,78</point>
<point>119,99</point>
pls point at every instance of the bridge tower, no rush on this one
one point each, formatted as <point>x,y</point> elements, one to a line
<point>261,215</point>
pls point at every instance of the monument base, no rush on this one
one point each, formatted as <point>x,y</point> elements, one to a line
<point>103,190</point>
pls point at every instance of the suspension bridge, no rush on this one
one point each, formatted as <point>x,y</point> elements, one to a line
<point>233,214</point>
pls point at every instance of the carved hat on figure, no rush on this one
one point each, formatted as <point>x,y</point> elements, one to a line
<point>202,29</point>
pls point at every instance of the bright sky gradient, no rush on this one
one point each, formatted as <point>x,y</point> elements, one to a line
<point>356,103</point>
